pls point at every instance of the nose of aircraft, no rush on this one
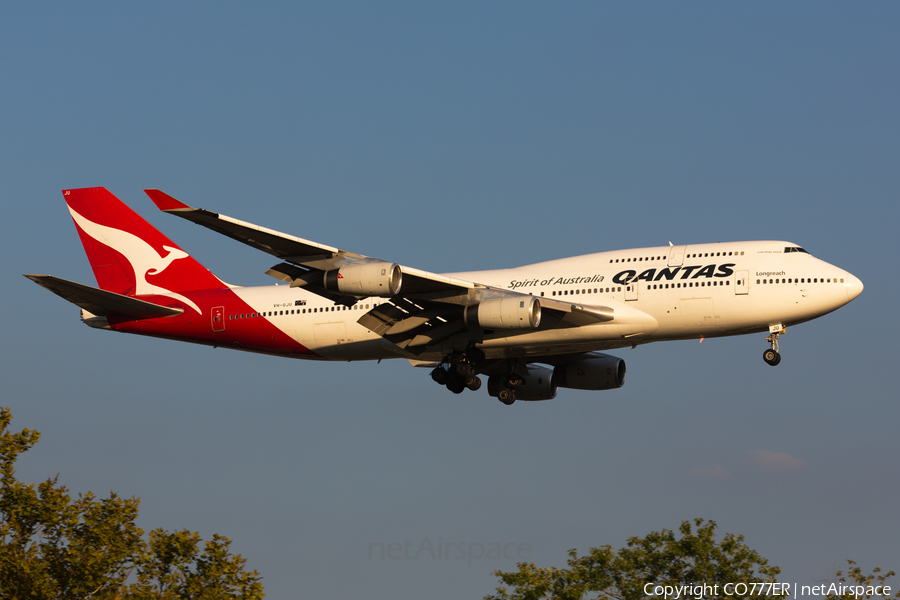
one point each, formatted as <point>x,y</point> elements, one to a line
<point>853,286</point>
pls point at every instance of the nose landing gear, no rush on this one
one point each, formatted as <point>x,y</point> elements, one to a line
<point>771,356</point>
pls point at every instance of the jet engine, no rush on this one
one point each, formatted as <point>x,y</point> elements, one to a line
<point>595,373</point>
<point>366,279</point>
<point>539,384</point>
<point>517,312</point>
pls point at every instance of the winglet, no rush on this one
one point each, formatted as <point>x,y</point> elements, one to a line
<point>165,202</point>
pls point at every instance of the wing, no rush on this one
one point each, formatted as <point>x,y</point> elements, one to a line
<point>306,262</point>
<point>422,308</point>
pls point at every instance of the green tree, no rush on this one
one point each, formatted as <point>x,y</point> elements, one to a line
<point>54,546</point>
<point>660,558</point>
<point>861,586</point>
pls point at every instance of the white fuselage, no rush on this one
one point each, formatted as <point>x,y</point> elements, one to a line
<point>662,293</point>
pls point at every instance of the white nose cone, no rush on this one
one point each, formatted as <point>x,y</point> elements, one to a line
<point>853,286</point>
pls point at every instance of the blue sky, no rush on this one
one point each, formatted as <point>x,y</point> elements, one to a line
<point>450,138</point>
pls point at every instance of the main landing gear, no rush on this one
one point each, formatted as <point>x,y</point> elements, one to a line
<point>458,371</point>
<point>507,393</point>
<point>771,356</point>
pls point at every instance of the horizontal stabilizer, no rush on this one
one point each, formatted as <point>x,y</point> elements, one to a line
<point>102,303</point>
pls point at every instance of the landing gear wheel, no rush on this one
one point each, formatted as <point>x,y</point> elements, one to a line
<point>771,355</point>
<point>456,385</point>
<point>473,383</point>
<point>440,375</point>
<point>515,381</point>
<point>506,396</point>
<point>463,369</point>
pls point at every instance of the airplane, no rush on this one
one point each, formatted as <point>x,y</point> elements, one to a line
<point>529,330</point>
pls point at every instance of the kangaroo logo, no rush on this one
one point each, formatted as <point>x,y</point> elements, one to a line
<point>144,259</point>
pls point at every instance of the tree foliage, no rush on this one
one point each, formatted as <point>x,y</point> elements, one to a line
<point>853,584</point>
<point>664,559</point>
<point>660,558</point>
<point>54,546</point>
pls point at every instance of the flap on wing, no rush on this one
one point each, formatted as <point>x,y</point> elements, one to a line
<point>101,302</point>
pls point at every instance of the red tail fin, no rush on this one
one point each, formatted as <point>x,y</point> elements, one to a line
<point>129,256</point>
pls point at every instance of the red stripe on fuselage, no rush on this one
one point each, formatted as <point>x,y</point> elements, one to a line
<point>255,334</point>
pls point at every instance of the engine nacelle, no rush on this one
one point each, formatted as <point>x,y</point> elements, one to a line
<point>366,279</point>
<point>517,312</point>
<point>539,385</point>
<point>597,373</point>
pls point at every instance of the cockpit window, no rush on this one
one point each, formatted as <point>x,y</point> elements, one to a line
<point>794,249</point>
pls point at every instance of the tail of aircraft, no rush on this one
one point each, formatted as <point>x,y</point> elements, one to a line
<point>128,255</point>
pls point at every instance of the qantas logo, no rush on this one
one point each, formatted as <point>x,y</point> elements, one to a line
<point>624,277</point>
<point>144,259</point>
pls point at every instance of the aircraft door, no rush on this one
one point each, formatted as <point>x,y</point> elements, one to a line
<point>631,291</point>
<point>218,318</point>
<point>676,255</point>
<point>741,283</point>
